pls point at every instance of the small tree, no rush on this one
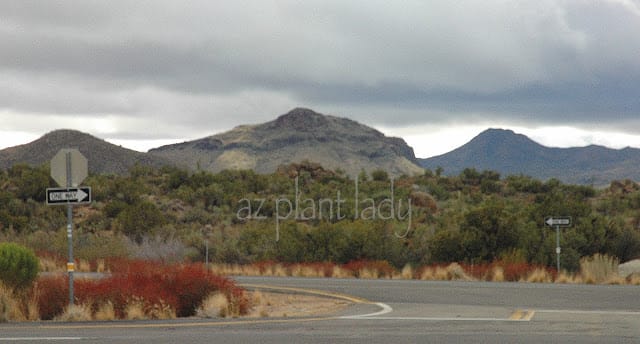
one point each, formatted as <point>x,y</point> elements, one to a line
<point>18,266</point>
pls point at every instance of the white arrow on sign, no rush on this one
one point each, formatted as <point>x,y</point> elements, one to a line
<point>76,195</point>
<point>71,195</point>
<point>561,221</point>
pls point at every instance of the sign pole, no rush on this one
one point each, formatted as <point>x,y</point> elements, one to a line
<point>558,248</point>
<point>70,264</point>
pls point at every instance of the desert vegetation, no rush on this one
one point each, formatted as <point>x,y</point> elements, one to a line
<point>132,290</point>
<point>478,220</point>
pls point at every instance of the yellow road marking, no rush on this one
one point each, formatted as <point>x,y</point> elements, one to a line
<point>522,314</point>
<point>349,298</point>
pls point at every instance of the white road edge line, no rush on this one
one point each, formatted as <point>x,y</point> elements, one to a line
<point>438,319</point>
<point>385,309</point>
<point>569,311</point>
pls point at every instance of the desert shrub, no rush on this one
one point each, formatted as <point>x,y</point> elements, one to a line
<point>18,266</point>
<point>52,295</point>
<point>155,286</point>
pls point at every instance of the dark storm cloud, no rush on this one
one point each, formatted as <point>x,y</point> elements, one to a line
<point>228,63</point>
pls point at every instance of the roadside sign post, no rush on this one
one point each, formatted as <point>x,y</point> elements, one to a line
<point>69,168</point>
<point>206,233</point>
<point>563,221</point>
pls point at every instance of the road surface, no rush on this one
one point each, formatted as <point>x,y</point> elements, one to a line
<point>392,311</point>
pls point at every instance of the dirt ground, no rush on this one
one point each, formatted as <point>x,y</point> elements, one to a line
<point>276,305</point>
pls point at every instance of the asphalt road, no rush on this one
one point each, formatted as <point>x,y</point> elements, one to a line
<point>392,311</point>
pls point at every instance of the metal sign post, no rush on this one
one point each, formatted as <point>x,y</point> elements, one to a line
<point>564,221</point>
<point>70,263</point>
<point>69,168</point>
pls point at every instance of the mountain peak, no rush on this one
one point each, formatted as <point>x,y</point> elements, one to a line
<point>301,119</point>
<point>300,134</point>
<point>103,156</point>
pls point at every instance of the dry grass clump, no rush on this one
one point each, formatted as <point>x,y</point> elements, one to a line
<point>134,310</point>
<point>339,272</point>
<point>539,275</point>
<point>260,305</point>
<point>105,312</point>
<point>9,309</point>
<point>452,272</point>
<point>300,270</point>
<point>599,268</point>
<point>368,273</point>
<point>17,306</point>
<point>161,310</point>
<point>564,277</point>
<point>406,273</point>
<point>83,266</point>
<point>217,305</point>
<point>74,312</point>
<point>497,274</point>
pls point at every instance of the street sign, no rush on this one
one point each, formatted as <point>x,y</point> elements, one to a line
<point>564,221</point>
<point>79,195</point>
<point>69,159</point>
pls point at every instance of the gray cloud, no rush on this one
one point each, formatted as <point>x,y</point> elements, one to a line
<point>205,66</point>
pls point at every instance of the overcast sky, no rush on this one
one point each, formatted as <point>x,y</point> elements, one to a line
<point>146,73</point>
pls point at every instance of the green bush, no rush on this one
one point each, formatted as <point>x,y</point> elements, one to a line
<point>18,266</point>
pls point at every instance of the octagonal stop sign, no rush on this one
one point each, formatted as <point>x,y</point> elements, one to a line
<point>78,167</point>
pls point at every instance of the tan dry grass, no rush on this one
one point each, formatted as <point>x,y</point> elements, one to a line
<point>598,268</point>
<point>134,310</point>
<point>299,270</point>
<point>161,311</point>
<point>83,266</point>
<point>9,308</point>
<point>49,265</point>
<point>339,272</point>
<point>368,273</point>
<point>406,272</point>
<point>75,313</point>
<point>105,312</point>
<point>566,278</point>
<point>214,306</point>
<point>497,274</point>
<point>539,275</point>
<point>427,274</point>
<point>268,304</point>
<point>456,273</point>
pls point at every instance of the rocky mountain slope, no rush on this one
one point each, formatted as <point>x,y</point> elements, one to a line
<point>509,153</point>
<point>103,156</point>
<point>301,134</point>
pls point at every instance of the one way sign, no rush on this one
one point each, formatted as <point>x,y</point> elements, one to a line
<point>79,195</point>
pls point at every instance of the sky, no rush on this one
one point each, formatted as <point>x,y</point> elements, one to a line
<point>142,74</point>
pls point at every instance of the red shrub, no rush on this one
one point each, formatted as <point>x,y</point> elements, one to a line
<point>52,295</point>
<point>383,267</point>
<point>183,287</point>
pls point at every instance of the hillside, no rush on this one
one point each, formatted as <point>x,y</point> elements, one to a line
<point>301,134</point>
<point>103,157</point>
<point>510,154</point>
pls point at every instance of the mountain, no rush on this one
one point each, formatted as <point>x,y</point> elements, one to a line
<point>103,157</point>
<point>509,153</point>
<point>301,134</point>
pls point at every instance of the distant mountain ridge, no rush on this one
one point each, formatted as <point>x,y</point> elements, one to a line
<point>340,143</point>
<point>301,134</point>
<point>103,157</point>
<point>510,154</point>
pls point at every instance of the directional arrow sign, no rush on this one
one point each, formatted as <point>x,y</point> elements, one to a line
<point>79,195</point>
<point>563,221</point>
